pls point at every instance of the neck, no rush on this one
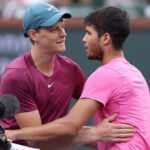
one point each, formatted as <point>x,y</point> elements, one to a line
<point>43,62</point>
<point>112,55</point>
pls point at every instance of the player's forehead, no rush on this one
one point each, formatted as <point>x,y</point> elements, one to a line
<point>60,22</point>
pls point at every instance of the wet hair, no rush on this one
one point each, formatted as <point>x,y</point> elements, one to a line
<point>110,20</point>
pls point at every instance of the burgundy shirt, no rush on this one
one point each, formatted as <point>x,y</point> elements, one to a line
<point>36,91</point>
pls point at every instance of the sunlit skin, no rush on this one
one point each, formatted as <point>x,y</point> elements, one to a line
<point>48,41</point>
<point>92,43</point>
<point>51,39</point>
<point>100,47</point>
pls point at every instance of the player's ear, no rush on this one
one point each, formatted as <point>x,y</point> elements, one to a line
<point>106,38</point>
<point>33,35</point>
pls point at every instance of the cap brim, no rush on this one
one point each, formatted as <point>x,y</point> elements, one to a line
<point>54,19</point>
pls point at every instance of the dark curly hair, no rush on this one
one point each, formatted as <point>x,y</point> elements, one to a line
<point>112,20</point>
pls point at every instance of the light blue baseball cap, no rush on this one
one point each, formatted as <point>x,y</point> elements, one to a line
<point>41,15</point>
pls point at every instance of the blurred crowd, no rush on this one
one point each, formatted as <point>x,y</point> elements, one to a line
<point>15,8</point>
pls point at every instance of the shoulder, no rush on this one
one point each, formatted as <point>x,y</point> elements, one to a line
<point>103,78</point>
<point>67,62</point>
<point>16,81</point>
<point>16,71</point>
<point>71,68</point>
<point>18,68</point>
<point>15,78</point>
<point>18,63</point>
<point>105,72</point>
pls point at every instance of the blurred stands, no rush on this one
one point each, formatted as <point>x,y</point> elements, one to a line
<point>134,7</point>
<point>2,5</point>
<point>147,9</point>
<point>78,8</point>
<point>16,8</point>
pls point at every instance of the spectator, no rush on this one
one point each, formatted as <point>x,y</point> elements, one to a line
<point>133,7</point>
<point>16,8</point>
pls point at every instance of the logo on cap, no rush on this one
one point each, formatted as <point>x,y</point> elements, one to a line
<point>49,9</point>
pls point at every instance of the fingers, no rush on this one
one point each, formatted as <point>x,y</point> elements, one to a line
<point>120,140</point>
<point>111,118</point>
<point>118,125</point>
<point>118,137</point>
<point>125,130</point>
<point>123,126</point>
<point>121,137</point>
<point>125,135</point>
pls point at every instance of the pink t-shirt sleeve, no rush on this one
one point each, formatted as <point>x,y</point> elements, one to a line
<point>100,85</point>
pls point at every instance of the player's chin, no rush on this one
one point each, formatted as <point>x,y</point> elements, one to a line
<point>61,50</point>
<point>90,56</point>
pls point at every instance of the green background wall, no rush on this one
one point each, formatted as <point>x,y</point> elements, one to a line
<point>137,51</point>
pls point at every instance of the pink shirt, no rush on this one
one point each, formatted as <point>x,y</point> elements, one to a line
<point>122,89</point>
<point>51,96</point>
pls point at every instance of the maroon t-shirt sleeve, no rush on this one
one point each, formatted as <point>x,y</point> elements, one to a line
<point>18,83</point>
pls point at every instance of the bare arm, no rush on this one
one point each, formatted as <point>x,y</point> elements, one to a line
<point>64,142</point>
<point>110,132</point>
<point>28,119</point>
<point>66,126</point>
<point>69,127</point>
